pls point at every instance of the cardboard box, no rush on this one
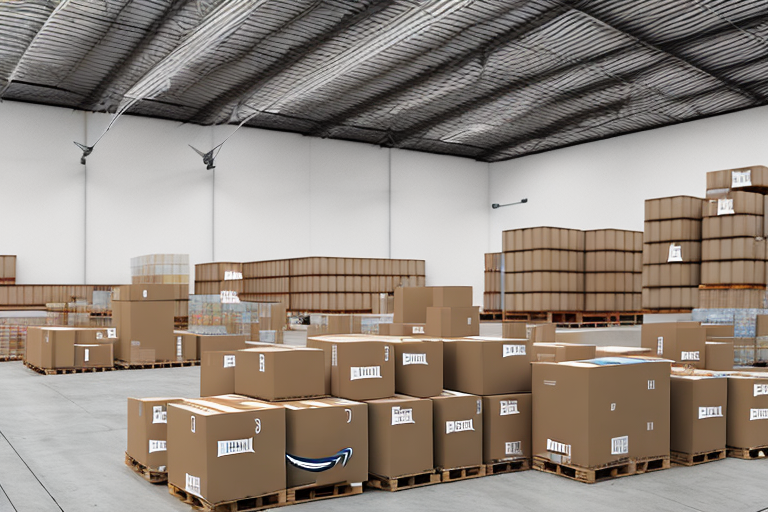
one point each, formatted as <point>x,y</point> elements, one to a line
<point>729,226</point>
<point>186,346</point>
<point>678,207</point>
<point>50,347</point>
<point>747,416</point>
<point>734,202</point>
<point>145,292</point>
<point>226,452</point>
<point>217,373</point>
<point>146,330</point>
<point>506,427</point>
<point>745,177</point>
<point>400,436</point>
<point>612,351</point>
<point>326,442</point>
<point>574,352</point>
<point>357,367</point>
<point>452,296</point>
<point>280,373</point>
<point>97,355</point>
<point>402,329</point>
<point>682,342</point>
<point>733,272</point>
<point>453,322</point>
<point>544,352</point>
<point>698,413</point>
<point>741,248</point>
<point>722,330</point>
<point>677,230</point>
<point>458,430</point>
<point>147,431</point>
<point>411,305</point>
<point>219,342</point>
<point>719,356</point>
<point>91,335</point>
<point>487,366</point>
<point>543,333</point>
<point>516,330</point>
<point>418,366</point>
<point>616,408</point>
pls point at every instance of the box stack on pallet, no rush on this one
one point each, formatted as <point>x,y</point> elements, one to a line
<point>613,270</point>
<point>672,253</point>
<point>166,269</point>
<point>493,276</point>
<point>223,315</point>
<point>7,269</point>
<point>214,278</point>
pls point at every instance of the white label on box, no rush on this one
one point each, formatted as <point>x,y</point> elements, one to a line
<point>550,383</point>
<point>112,333</point>
<point>761,389</point>
<point>469,321</point>
<point>741,178</point>
<point>386,353</point>
<point>402,416</point>
<point>414,359</point>
<point>710,412</point>
<point>46,337</point>
<point>179,353</point>
<point>725,207</point>
<point>193,484</point>
<point>675,253</point>
<point>231,275</point>
<point>145,294</point>
<point>418,329</point>
<point>229,297</point>
<point>229,361</point>
<point>159,415</point>
<point>365,372</point>
<point>649,426</point>
<point>555,447</point>
<point>689,356</point>
<point>508,407</point>
<point>651,384</point>
<point>334,356</point>
<point>479,406</point>
<point>261,363</point>
<point>659,345</point>
<point>513,350</point>
<point>156,446</point>
<point>513,448</point>
<point>87,356</point>
<point>236,446</point>
<point>192,424</point>
<point>620,445</point>
<point>99,335</point>
<point>135,343</point>
<point>458,426</point>
<point>758,414</point>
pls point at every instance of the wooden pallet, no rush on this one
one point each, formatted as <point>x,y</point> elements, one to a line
<point>759,452</point>
<point>150,475</point>
<point>693,459</point>
<point>601,473</point>
<point>263,502</point>
<point>309,493</point>
<point>11,358</point>
<point>462,473</point>
<point>404,482</point>
<point>507,466</point>
<point>490,316</point>
<point>126,365</point>
<point>732,287</point>
<point>577,319</point>
<point>67,371</point>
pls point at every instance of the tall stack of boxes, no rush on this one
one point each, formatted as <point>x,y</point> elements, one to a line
<point>613,270</point>
<point>214,278</point>
<point>143,316</point>
<point>166,269</point>
<point>7,269</point>
<point>672,253</point>
<point>56,348</point>
<point>493,276</point>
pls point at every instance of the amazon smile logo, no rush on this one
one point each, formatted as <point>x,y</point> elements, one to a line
<point>323,464</point>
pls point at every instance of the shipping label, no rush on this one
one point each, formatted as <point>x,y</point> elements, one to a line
<point>675,253</point>
<point>365,372</point>
<point>268,336</point>
<point>652,384</point>
<point>761,389</point>
<point>231,275</point>
<point>710,412</point>
<point>402,416</point>
<point>229,297</point>
<point>555,447</point>
<point>418,329</point>
<point>513,350</point>
<point>262,363</point>
<point>620,445</point>
<point>156,446</point>
<point>409,359</point>
<point>159,415</point>
<point>87,355</point>
<point>469,321</point>
<point>334,356</point>
<point>112,332</point>
<point>479,406</point>
<point>513,448</point>
<point>741,178</point>
<point>659,345</point>
<point>229,361</point>
<point>179,354</point>
<point>234,447</point>
<point>649,426</point>
<point>758,414</point>
<point>508,407</point>
<point>193,484</point>
<point>725,207</point>
<point>689,356</point>
<point>459,426</point>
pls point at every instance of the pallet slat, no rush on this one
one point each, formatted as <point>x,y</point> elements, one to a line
<point>67,371</point>
<point>693,459</point>
<point>507,466</point>
<point>150,475</point>
<point>253,504</point>
<point>602,473</point>
<point>462,473</point>
<point>403,482</point>
<point>758,452</point>
<point>126,365</point>
<point>321,492</point>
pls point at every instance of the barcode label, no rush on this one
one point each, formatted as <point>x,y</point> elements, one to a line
<point>508,407</point>
<point>555,447</point>
<point>741,178</point>
<point>365,372</point>
<point>689,356</point>
<point>229,361</point>
<point>651,384</point>
<point>513,448</point>
<point>659,345</point>
<point>334,356</point>
<point>112,332</point>
<point>262,363</point>
<point>402,416</point>
<point>761,389</point>
<point>725,207</point>
<point>409,359</point>
<point>236,446</point>
<point>513,350</point>
<point>459,426</point>
<point>758,414</point>
<point>179,355</point>
<point>156,446</point>
<point>87,356</point>
<point>620,445</point>
<point>193,484</point>
<point>418,329</point>
<point>159,415</point>
<point>710,412</point>
<point>675,253</point>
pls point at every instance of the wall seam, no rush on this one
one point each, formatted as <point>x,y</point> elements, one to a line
<point>85,203</point>
<point>389,201</point>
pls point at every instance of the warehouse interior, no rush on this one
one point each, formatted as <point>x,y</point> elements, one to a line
<point>239,135</point>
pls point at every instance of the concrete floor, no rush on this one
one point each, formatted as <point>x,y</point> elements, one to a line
<point>62,443</point>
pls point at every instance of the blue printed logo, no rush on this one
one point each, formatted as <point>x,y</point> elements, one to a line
<point>323,464</point>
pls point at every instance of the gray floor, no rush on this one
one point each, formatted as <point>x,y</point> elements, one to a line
<point>63,440</point>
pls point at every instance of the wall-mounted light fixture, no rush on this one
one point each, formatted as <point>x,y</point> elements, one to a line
<point>497,205</point>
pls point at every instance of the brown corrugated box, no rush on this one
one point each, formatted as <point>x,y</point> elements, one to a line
<point>518,330</point>
<point>732,298</point>
<point>742,248</point>
<point>677,275</point>
<point>574,352</point>
<point>400,436</point>
<point>676,230</point>
<point>418,366</point>
<point>458,430</point>
<point>671,298</point>
<point>487,366</point>
<point>683,342</point>
<point>186,346</point>
<point>90,335</point>
<point>543,333</point>
<point>666,252</point>
<point>280,373</point>
<point>50,347</point>
<point>719,356</point>
<point>734,202</point>
<point>148,432</point>
<point>744,177</point>
<point>543,238</point>
<point>219,342</point>
<point>146,292</point>
<point>226,452</point>
<point>452,296</point>
<point>677,207</point>
<point>453,322</point>
<point>729,226</point>
<point>698,407</point>
<point>747,411</point>
<point>733,272</point>
<point>217,373</point>
<point>402,329</point>
<point>323,428</point>
<point>96,355</point>
<point>146,330</point>
<point>544,352</point>
<point>411,305</point>
<point>506,427</point>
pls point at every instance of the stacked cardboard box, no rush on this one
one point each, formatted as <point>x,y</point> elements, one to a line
<point>325,323</point>
<point>681,342</point>
<point>544,269</point>
<point>493,276</point>
<point>613,270</point>
<point>51,348</point>
<point>7,269</point>
<point>223,314</point>
<point>672,253</point>
<point>38,295</point>
<point>698,405</point>
<point>166,269</point>
<point>143,315</point>
<point>214,278</point>
<point>439,311</point>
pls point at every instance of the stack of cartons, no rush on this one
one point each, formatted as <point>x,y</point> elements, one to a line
<point>747,415</point>
<point>672,253</point>
<point>7,269</point>
<point>224,314</point>
<point>679,342</point>
<point>613,270</point>
<point>58,348</point>
<point>493,276</point>
<point>214,278</point>
<point>326,323</point>
<point>543,269</point>
<point>699,406</point>
<point>166,269</point>
<point>143,315</point>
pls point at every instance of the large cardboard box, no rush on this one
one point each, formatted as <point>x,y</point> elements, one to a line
<point>452,296</point>
<point>326,442</point>
<point>734,203</point>
<point>517,330</point>
<point>217,373</point>
<point>95,355</point>
<point>280,373</point>
<point>745,177</point>
<point>145,292</point>
<point>487,366</point>
<point>186,346</point>
<point>148,432</point>
<point>219,342</point>
<point>544,333</point>
<point>453,322</point>
<point>719,356</point>
<point>698,407</point>
<point>677,207</point>
<point>544,352</point>
<point>418,366</point>
<point>574,352</point>
<point>728,226</point>
<point>226,452</point>
<point>683,342</point>
<point>747,418</point>
<point>506,427</point>
<point>50,347</point>
<point>458,430</point>
<point>91,335</point>
<point>357,367</point>
<point>400,436</point>
<point>721,331</point>
<point>411,304</point>
<point>146,330</point>
<point>616,408</point>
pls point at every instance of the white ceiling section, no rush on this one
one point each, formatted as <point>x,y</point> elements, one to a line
<point>489,80</point>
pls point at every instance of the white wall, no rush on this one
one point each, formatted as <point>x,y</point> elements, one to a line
<point>604,184</point>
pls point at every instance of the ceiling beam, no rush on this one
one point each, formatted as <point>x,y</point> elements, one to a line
<point>248,86</point>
